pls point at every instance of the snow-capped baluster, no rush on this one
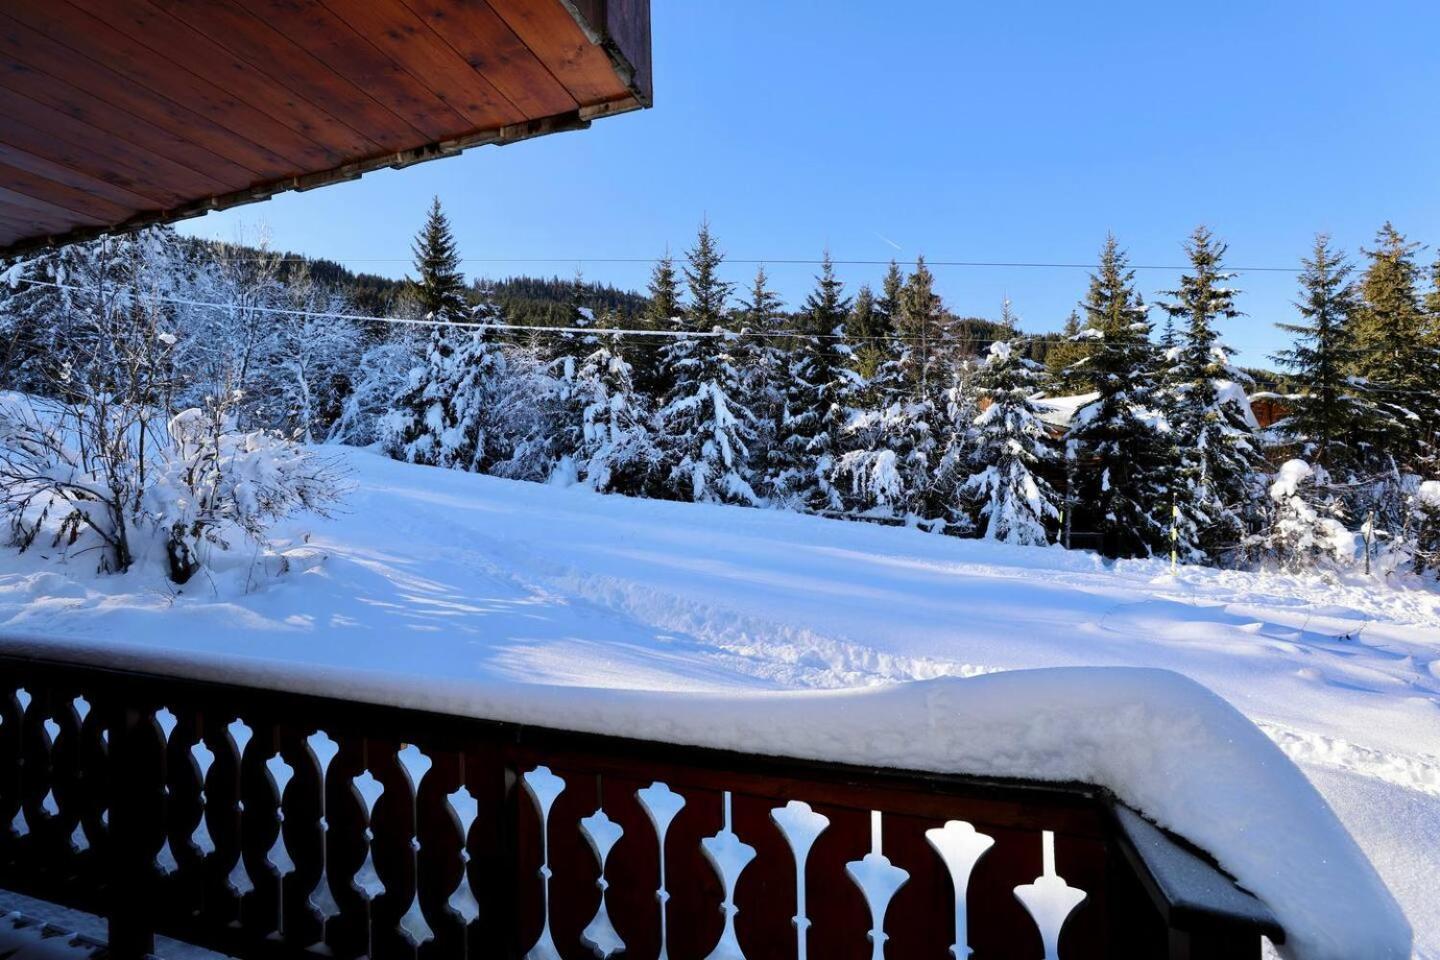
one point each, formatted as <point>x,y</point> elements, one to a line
<point>600,934</point>
<point>1049,900</point>
<point>800,826</point>
<point>661,805</point>
<point>729,856</point>
<point>878,880</point>
<point>544,787</point>
<point>960,846</point>
<point>462,898</point>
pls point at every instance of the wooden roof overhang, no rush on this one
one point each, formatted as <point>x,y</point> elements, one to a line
<point>115,114</point>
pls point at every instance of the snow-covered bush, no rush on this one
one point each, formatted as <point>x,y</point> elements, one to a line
<point>1427,526</point>
<point>109,478</point>
<point>1305,530</point>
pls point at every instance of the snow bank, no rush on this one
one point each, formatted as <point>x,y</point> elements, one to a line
<point>1163,743</point>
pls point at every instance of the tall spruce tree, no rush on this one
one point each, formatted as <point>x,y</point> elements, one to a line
<point>615,452</point>
<point>1217,489</point>
<point>703,430</point>
<point>1125,487</point>
<point>1015,503</point>
<point>761,357</point>
<point>1327,410</point>
<point>438,287</point>
<point>817,387</point>
<point>662,311</point>
<point>919,321</point>
<point>1396,356</point>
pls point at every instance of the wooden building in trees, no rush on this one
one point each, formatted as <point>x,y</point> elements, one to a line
<point>115,114</point>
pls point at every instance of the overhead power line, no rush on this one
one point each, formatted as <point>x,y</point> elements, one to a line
<point>938,340</point>
<point>764,261</point>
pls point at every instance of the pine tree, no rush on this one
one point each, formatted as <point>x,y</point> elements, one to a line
<point>817,386</point>
<point>1015,503</point>
<point>702,429</point>
<point>1326,411</point>
<point>662,311</point>
<point>616,452</point>
<point>956,443</point>
<point>438,288</point>
<point>1396,356</point>
<point>1215,488</point>
<point>919,321</point>
<point>871,336</point>
<point>1124,484</point>
<point>446,415</point>
<point>761,358</point>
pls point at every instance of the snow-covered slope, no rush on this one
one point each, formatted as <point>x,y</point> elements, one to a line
<point>445,586</point>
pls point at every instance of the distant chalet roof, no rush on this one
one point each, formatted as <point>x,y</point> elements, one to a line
<point>119,113</point>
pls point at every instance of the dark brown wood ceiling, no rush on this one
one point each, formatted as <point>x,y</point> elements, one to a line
<point>116,113</point>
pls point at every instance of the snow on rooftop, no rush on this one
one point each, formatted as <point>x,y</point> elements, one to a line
<point>1059,411</point>
<point>714,625</point>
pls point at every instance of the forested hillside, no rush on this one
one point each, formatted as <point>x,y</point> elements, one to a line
<point>872,404</point>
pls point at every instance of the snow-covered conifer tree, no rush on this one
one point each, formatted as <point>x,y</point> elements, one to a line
<point>1015,504</point>
<point>1216,488</point>
<point>702,429</point>
<point>616,453</point>
<point>1396,354</point>
<point>1118,431</point>
<point>817,386</point>
<point>1328,410</point>
<point>761,359</point>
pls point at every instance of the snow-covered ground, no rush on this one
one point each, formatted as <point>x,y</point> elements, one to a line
<point>470,582</point>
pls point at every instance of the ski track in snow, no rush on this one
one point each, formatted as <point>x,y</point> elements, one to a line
<point>541,585</point>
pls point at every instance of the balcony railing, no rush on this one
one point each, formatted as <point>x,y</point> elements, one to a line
<point>267,824</point>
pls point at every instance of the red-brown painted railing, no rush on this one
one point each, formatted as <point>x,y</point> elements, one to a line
<point>269,824</point>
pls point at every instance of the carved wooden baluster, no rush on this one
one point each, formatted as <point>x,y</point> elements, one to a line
<point>165,862</point>
<point>492,844</point>
<point>661,805</point>
<point>729,857</point>
<point>801,827</point>
<point>960,847</point>
<point>878,880</point>
<point>602,834</point>
<point>41,836</point>
<point>259,831</point>
<point>347,848</point>
<point>12,762</point>
<point>302,828</point>
<point>93,801</point>
<point>544,787</point>
<point>137,824</point>
<point>321,897</point>
<point>399,925</point>
<point>441,887</point>
<point>226,879</point>
<point>1049,900</point>
<point>185,782</point>
<point>70,776</point>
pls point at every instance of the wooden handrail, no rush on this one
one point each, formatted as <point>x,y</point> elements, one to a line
<point>263,823</point>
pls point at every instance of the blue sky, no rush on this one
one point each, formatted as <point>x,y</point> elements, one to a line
<point>964,131</point>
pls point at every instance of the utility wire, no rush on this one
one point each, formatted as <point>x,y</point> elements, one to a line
<point>939,341</point>
<point>774,261</point>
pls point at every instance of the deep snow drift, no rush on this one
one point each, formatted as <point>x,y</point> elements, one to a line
<point>496,593</point>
